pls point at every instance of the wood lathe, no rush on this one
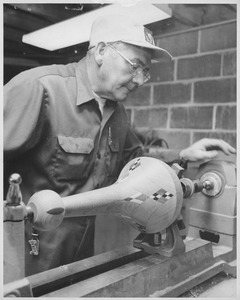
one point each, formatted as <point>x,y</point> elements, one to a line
<point>186,219</point>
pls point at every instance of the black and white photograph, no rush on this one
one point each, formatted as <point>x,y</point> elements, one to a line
<point>119,149</point>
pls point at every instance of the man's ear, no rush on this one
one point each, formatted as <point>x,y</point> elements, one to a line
<point>100,50</point>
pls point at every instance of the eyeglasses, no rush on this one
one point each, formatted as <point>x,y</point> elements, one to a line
<point>135,69</point>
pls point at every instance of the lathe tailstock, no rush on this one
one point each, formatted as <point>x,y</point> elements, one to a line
<point>187,224</point>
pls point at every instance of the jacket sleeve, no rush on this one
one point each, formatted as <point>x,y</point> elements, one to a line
<point>132,148</point>
<point>169,156</point>
<point>23,114</point>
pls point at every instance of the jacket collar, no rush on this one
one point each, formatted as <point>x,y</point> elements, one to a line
<point>84,90</point>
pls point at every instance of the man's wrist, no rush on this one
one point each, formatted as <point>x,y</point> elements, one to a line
<point>183,163</point>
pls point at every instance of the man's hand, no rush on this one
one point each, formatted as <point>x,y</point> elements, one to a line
<point>206,149</point>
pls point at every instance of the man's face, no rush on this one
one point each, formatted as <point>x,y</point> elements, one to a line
<point>116,72</point>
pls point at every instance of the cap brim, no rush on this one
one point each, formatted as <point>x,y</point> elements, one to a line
<point>158,53</point>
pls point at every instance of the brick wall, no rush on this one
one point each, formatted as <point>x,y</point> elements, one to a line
<point>193,96</point>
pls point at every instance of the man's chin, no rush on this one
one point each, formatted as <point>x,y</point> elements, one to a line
<point>122,94</point>
<point>121,99</point>
<point>118,97</point>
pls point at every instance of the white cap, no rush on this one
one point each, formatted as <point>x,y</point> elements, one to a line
<point>113,28</point>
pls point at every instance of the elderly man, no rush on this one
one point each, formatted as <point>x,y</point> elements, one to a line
<point>65,129</point>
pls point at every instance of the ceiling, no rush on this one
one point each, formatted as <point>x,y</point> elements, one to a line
<point>20,19</point>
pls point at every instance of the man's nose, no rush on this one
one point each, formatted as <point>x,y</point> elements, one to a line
<point>139,79</point>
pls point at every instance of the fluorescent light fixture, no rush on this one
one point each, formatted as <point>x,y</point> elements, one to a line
<point>77,30</point>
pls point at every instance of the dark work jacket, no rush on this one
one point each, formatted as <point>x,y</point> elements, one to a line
<point>56,138</point>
